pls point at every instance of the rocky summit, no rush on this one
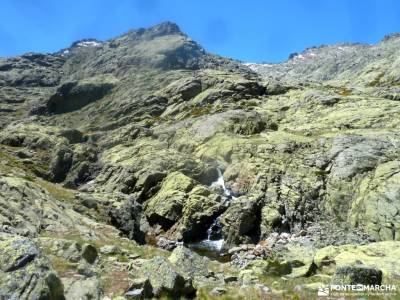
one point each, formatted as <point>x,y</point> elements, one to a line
<point>145,167</point>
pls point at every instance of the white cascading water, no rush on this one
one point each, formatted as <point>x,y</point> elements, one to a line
<point>213,244</point>
<point>216,244</point>
<point>209,243</point>
<point>221,183</point>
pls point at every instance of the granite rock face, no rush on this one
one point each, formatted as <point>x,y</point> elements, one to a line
<point>26,273</point>
<point>147,139</point>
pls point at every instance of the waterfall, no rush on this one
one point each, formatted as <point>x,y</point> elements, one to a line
<point>214,240</point>
<point>221,184</point>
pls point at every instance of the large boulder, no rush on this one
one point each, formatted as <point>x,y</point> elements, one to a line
<point>183,207</point>
<point>239,177</point>
<point>357,274</point>
<point>354,158</point>
<point>27,208</point>
<point>25,273</point>
<point>165,280</point>
<point>184,89</point>
<point>54,154</point>
<point>128,218</point>
<point>352,155</point>
<point>165,208</point>
<point>270,267</point>
<point>240,220</point>
<point>189,263</point>
<point>199,211</point>
<point>83,289</point>
<point>381,255</point>
<point>73,136</point>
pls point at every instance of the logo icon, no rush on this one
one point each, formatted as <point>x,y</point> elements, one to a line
<point>323,291</point>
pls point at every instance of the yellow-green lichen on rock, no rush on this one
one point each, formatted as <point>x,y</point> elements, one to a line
<point>381,255</point>
<point>377,204</point>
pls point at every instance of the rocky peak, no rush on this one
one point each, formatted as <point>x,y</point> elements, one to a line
<point>165,28</point>
<point>86,43</point>
<point>159,30</point>
<point>163,46</point>
<point>390,37</point>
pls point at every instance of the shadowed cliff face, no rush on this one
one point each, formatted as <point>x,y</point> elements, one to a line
<point>149,137</point>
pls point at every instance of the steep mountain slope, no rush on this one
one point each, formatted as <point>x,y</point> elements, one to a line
<point>346,64</point>
<point>112,150</point>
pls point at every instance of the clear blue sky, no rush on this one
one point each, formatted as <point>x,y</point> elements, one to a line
<point>250,30</point>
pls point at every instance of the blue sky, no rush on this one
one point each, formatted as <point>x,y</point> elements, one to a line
<point>249,30</point>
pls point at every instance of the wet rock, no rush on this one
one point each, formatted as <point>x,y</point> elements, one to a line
<point>199,212</point>
<point>182,207</point>
<point>167,244</point>
<point>140,288</point>
<point>239,178</point>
